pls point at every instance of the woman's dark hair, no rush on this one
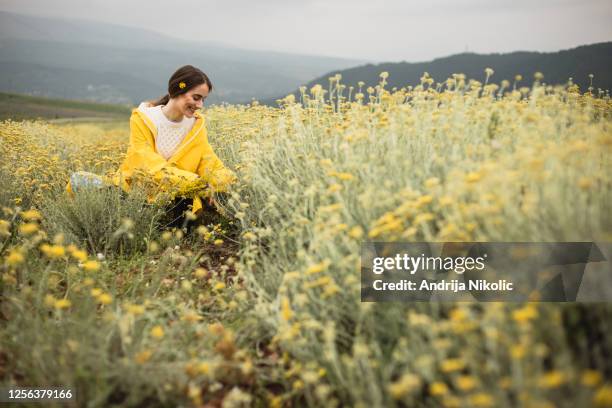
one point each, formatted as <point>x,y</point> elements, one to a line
<point>185,78</point>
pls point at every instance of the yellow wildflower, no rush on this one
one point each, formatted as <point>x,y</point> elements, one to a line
<point>91,266</point>
<point>157,332</point>
<point>50,300</point>
<point>404,386</point>
<point>356,232</point>
<point>78,254</point>
<point>143,356</point>
<point>318,268</point>
<point>552,379</point>
<point>249,236</point>
<point>452,364</point>
<point>191,317</point>
<point>591,378</point>
<point>5,228</point>
<point>62,304</point>
<point>473,177</point>
<point>518,351</point>
<point>53,251</point>
<point>14,257</point>
<point>466,382</point>
<point>325,280</point>
<point>31,215</point>
<point>200,273</point>
<point>133,309</point>
<point>105,299</point>
<point>482,400</point>
<point>525,314</point>
<point>28,228</point>
<point>603,396</point>
<point>438,388</point>
<point>286,312</point>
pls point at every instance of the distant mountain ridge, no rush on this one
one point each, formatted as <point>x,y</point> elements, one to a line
<point>557,68</point>
<point>79,59</point>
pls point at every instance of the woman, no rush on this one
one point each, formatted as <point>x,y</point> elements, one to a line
<point>169,143</point>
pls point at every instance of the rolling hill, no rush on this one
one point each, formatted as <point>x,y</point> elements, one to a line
<point>557,68</point>
<point>78,59</point>
<point>20,107</point>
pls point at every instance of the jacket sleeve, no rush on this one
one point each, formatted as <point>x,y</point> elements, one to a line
<point>141,155</point>
<point>212,170</point>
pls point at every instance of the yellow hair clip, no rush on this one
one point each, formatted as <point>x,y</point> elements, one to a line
<point>182,85</point>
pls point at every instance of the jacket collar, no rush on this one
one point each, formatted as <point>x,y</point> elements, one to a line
<point>198,125</point>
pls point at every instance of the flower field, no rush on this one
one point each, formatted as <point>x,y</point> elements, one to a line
<point>260,304</point>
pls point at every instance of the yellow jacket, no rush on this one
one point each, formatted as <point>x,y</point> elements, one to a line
<point>193,160</point>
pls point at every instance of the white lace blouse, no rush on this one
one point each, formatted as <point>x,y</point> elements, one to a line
<point>170,134</point>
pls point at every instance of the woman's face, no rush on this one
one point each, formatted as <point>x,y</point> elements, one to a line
<point>192,100</point>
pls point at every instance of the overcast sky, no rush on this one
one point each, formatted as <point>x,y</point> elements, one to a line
<point>384,30</point>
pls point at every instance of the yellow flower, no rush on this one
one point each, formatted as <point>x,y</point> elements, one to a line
<point>473,177</point>
<point>157,332</point>
<point>182,85</point>
<point>200,273</point>
<point>79,254</point>
<point>191,316</point>
<point>50,300</point>
<point>286,312</point>
<point>591,378</point>
<point>53,251</point>
<point>62,304</point>
<point>28,228</point>
<point>552,379</point>
<point>317,268</point>
<point>334,188</point>
<point>518,351</point>
<point>356,232</point>
<point>405,385</point>
<point>481,400</point>
<point>525,314</point>
<point>249,236</point>
<point>452,364</point>
<point>143,356</point>
<point>603,397</point>
<point>31,215</point>
<point>105,299</point>
<point>438,388</point>
<point>466,383</point>
<point>5,228</point>
<point>325,280</point>
<point>134,309</point>
<point>91,266</point>
<point>14,258</point>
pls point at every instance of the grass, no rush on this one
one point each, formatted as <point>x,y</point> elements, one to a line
<point>260,306</point>
<point>20,107</point>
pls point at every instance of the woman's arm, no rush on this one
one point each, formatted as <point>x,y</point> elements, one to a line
<point>141,155</point>
<point>212,170</point>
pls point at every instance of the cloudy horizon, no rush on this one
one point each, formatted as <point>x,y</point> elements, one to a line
<point>393,31</point>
